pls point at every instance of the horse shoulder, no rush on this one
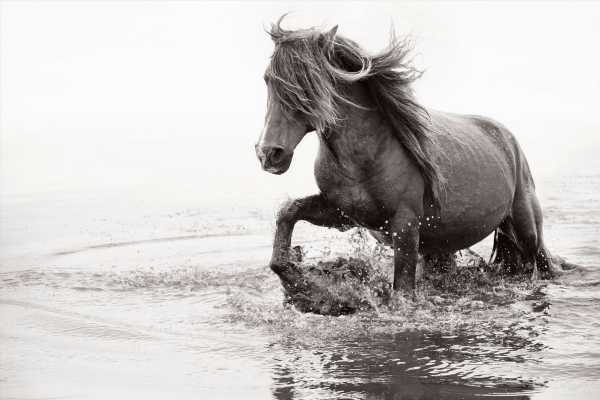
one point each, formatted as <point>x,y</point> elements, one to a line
<point>372,191</point>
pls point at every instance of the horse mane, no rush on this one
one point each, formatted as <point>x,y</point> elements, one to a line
<point>310,69</point>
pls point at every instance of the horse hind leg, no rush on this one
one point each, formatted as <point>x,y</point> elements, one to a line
<point>548,265</point>
<point>528,226</point>
<point>507,252</point>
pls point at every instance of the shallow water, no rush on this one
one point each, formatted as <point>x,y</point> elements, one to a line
<point>133,300</point>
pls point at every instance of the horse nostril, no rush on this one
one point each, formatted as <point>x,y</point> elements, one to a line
<point>276,155</point>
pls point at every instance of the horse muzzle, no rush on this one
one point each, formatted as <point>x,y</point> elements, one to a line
<point>274,159</point>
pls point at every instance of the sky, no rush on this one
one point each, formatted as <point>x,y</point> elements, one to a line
<point>166,99</point>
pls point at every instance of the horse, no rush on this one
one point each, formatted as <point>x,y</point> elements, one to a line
<point>422,181</point>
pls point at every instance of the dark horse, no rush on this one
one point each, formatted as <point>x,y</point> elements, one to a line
<point>420,180</point>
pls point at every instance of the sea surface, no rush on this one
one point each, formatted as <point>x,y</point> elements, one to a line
<point>111,297</point>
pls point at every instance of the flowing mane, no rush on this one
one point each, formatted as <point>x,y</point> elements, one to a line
<point>309,70</point>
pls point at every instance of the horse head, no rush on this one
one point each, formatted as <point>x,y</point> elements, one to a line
<point>300,95</point>
<point>280,135</point>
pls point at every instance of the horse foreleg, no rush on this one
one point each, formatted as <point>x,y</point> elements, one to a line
<point>314,209</point>
<point>405,238</point>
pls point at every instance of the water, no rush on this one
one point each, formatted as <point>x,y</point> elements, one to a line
<point>105,299</point>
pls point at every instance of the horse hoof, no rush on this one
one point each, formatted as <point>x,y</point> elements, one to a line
<point>286,270</point>
<point>278,268</point>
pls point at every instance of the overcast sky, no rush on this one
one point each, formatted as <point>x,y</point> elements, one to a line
<point>167,98</point>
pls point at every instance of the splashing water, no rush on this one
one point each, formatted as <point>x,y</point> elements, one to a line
<point>127,303</point>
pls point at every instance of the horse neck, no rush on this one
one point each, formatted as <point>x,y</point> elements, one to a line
<point>362,135</point>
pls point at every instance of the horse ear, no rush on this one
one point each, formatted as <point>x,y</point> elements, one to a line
<point>329,39</point>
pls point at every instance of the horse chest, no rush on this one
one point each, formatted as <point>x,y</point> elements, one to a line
<point>366,190</point>
<point>357,204</point>
<point>357,201</point>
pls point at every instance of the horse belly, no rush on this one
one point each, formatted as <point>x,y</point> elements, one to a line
<point>481,179</point>
<point>457,234</point>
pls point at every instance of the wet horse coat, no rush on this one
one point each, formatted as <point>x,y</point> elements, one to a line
<point>422,181</point>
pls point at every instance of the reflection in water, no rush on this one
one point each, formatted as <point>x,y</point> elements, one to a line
<point>412,365</point>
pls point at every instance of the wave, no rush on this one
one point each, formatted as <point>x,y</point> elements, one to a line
<point>145,241</point>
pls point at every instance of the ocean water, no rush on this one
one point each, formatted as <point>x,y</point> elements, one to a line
<point>106,298</point>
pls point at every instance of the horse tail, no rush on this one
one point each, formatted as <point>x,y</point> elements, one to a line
<point>564,264</point>
<point>494,246</point>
